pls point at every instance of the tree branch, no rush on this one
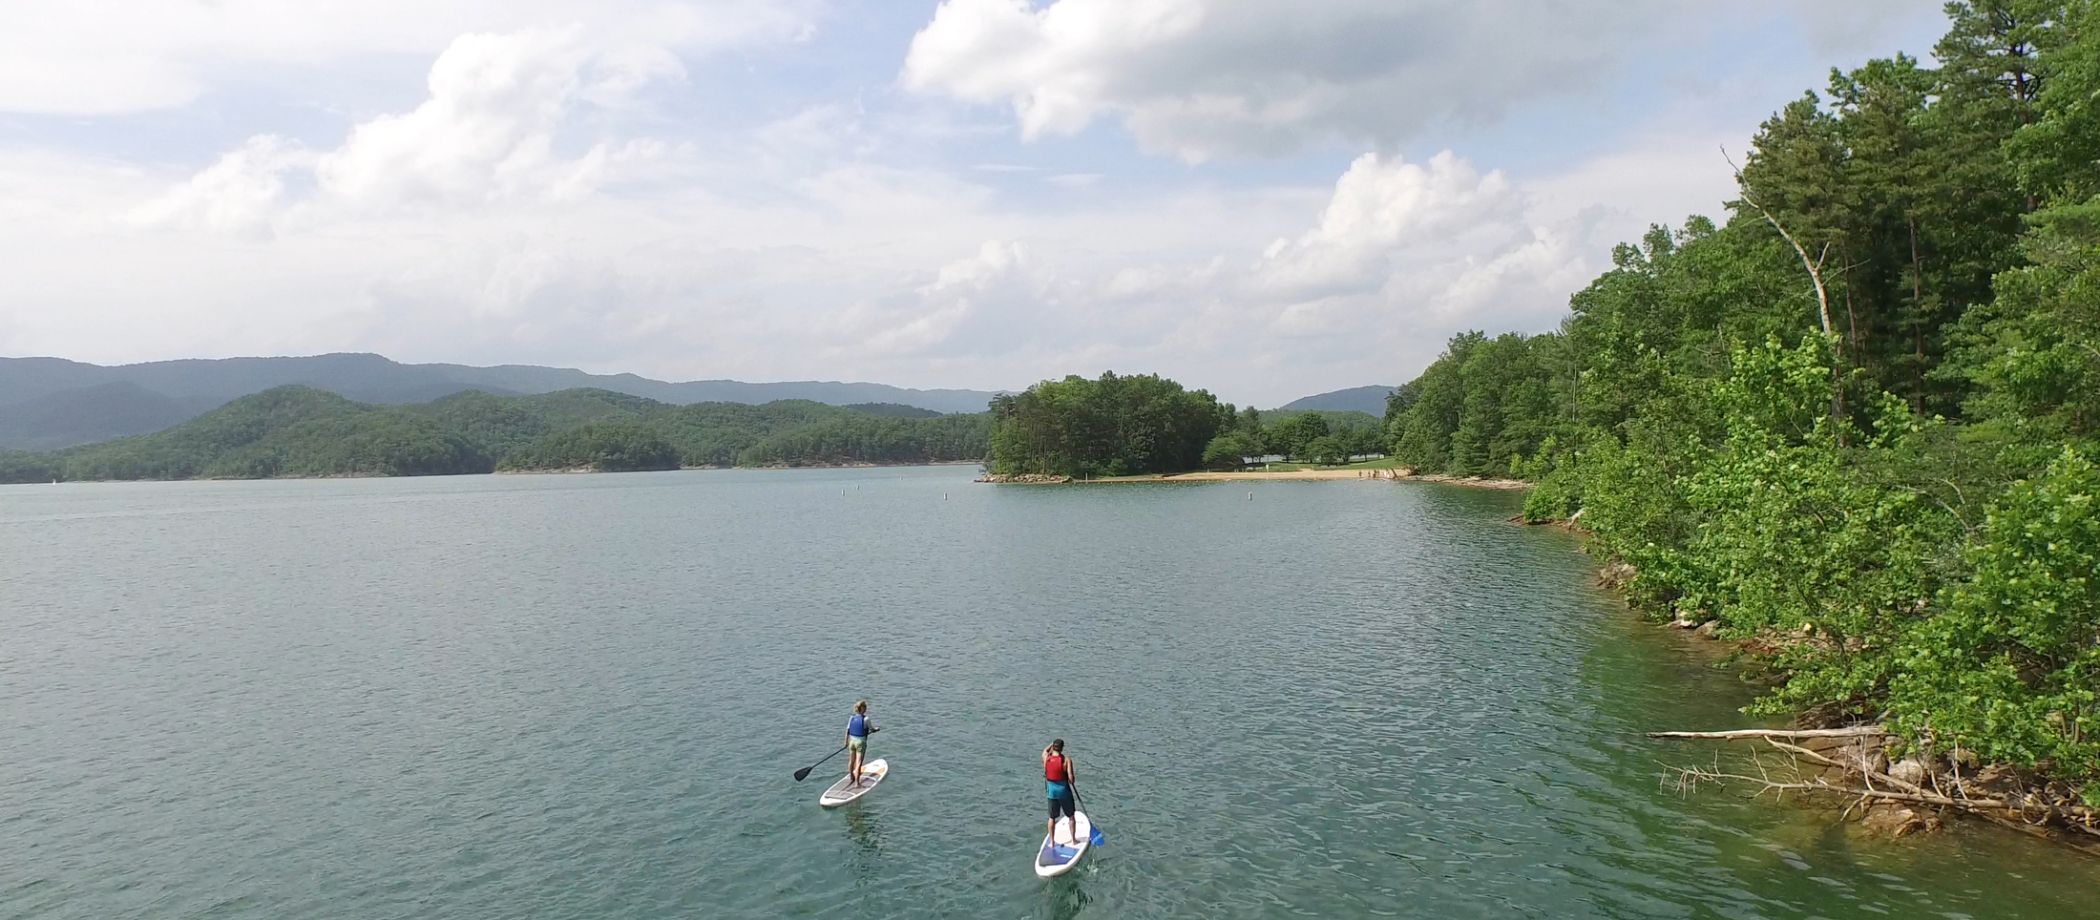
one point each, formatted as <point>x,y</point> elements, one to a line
<point>1814,266</point>
<point>1850,731</point>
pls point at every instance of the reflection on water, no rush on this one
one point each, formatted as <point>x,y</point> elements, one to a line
<point>1065,896</point>
<point>866,832</point>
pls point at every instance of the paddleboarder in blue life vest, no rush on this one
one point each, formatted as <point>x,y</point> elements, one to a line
<point>857,729</point>
<point>1057,772</point>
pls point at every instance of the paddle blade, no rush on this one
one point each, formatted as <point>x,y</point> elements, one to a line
<point>1097,838</point>
<point>803,773</point>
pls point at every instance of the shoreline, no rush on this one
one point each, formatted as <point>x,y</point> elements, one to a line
<point>552,471</point>
<point>1894,788</point>
<point>1329,475</point>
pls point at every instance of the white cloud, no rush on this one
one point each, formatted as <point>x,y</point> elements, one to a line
<point>990,294</point>
<point>1199,78</point>
<point>1386,209</point>
<point>239,194</point>
<point>497,114</point>
<point>489,128</point>
<point>103,57</point>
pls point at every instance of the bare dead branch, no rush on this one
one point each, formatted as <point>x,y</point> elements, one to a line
<point>1814,266</point>
<point>1755,734</point>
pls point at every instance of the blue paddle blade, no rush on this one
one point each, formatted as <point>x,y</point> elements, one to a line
<point>1097,838</point>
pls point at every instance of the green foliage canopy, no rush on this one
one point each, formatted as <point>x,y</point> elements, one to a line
<point>1900,507</point>
<point>1112,426</point>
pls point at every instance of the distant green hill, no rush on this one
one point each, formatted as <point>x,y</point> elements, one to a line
<point>897,409</point>
<point>98,412</point>
<point>296,431</point>
<point>49,403</point>
<point>1369,399</point>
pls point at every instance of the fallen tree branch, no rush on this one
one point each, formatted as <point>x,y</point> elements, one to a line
<point>1850,731</point>
<point>2034,818</point>
<point>1915,798</point>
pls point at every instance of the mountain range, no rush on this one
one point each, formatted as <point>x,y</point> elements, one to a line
<point>49,403</point>
<point>53,403</point>
<point>1354,399</point>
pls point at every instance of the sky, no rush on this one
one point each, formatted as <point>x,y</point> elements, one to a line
<point>1259,198</point>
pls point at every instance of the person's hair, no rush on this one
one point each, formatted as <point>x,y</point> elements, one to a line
<point>861,707</point>
<point>1058,745</point>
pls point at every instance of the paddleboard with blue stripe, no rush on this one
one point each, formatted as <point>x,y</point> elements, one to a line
<point>1063,846</point>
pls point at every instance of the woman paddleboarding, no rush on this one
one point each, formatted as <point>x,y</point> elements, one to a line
<point>857,728</point>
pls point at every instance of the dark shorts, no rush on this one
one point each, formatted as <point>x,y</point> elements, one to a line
<point>1059,807</point>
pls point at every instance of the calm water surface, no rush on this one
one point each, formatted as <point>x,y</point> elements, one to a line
<point>583,697</point>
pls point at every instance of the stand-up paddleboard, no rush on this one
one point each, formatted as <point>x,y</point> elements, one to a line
<point>1063,846</point>
<point>842,791</point>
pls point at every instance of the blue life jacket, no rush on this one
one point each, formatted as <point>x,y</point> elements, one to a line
<point>857,726</point>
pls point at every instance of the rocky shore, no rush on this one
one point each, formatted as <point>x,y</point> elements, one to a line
<point>1889,784</point>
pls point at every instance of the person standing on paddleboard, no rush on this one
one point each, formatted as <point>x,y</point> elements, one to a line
<point>857,730</point>
<point>1057,772</point>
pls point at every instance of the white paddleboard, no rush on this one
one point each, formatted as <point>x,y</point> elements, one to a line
<point>1063,846</point>
<point>842,792</point>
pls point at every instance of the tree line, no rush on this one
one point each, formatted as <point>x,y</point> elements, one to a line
<point>301,431</point>
<point>1859,418</point>
<point>1125,425</point>
<point>1311,435</point>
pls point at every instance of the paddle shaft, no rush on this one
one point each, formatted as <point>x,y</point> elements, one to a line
<point>803,773</point>
<point>1073,782</point>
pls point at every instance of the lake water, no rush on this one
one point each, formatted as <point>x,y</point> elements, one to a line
<point>583,697</point>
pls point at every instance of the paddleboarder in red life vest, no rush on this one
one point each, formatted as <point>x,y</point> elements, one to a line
<point>857,731</point>
<point>1057,773</point>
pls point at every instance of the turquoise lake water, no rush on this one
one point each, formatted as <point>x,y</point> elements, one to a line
<point>583,697</point>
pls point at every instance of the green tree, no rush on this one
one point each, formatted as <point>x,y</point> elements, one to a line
<point>1113,426</point>
<point>1229,451</point>
<point>2010,666</point>
<point>1293,437</point>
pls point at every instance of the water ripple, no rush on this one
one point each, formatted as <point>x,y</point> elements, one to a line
<point>582,697</point>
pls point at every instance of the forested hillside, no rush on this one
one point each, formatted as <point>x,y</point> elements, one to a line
<point>1369,399</point>
<point>301,431</point>
<point>47,403</point>
<point>1858,419</point>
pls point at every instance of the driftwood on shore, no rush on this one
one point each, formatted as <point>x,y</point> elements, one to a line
<point>1853,762</point>
<point>1854,731</point>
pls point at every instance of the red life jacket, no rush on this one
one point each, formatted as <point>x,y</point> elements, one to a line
<point>1054,769</point>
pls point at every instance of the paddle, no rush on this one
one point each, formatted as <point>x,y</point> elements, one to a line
<point>803,773</point>
<point>1094,835</point>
